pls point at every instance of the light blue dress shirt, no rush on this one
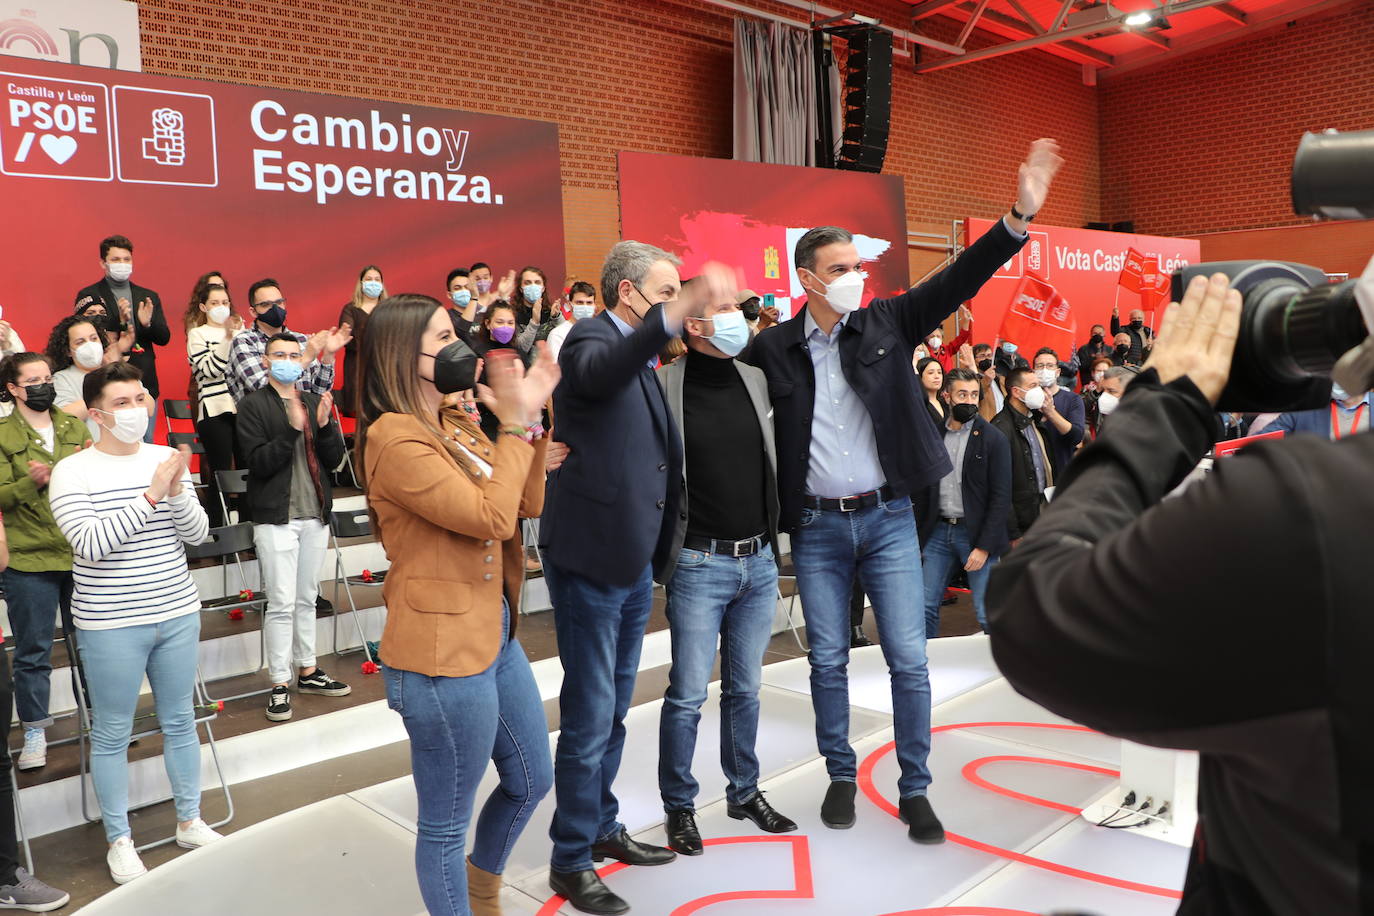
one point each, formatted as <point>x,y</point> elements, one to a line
<point>844,451</point>
<point>952,484</point>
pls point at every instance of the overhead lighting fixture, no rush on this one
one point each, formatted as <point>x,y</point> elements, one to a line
<point>1138,18</point>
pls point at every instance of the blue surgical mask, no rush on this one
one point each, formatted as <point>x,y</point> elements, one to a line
<point>533,292</point>
<point>1008,347</point>
<point>732,332</point>
<point>372,289</point>
<point>461,297</point>
<point>286,371</point>
<point>583,311</point>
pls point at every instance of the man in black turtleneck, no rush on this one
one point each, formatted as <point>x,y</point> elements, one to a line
<point>721,577</point>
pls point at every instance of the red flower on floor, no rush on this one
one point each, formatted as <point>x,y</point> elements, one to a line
<point>236,614</point>
<point>246,594</point>
<point>370,667</point>
<point>367,575</point>
<point>219,705</point>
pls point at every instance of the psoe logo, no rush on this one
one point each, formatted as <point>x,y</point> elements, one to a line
<point>167,145</point>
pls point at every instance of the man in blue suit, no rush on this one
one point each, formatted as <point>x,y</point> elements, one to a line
<point>963,518</point>
<point>1346,415</point>
<point>609,519</point>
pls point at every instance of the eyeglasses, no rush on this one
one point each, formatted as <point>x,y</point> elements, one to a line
<point>280,355</point>
<point>265,306</point>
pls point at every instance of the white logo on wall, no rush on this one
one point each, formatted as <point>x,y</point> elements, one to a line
<point>96,33</point>
<point>167,145</point>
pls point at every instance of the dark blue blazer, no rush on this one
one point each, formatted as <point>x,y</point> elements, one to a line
<point>986,490</point>
<point>612,508</point>
<point>1313,422</point>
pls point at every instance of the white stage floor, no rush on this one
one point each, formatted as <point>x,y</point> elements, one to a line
<point>1008,795</point>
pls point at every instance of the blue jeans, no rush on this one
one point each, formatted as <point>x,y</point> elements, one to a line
<point>600,632</point>
<point>879,545</point>
<point>714,598</point>
<point>457,724</point>
<point>34,600</point>
<point>947,546</point>
<point>115,662</point>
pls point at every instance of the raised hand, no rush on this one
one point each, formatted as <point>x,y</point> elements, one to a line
<point>234,324</point>
<point>145,312</point>
<point>506,288</point>
<point>4,335</point>
<point>314,346</point>
<point>541,379</point>
<point>965,358</point>
<point>126,311</point>
<point>335,339</point>
<point>715,283</point>
<point>505,392</point>
<point>768,316</point>
<point>1035,175</point>
<point>1197,337</point>
<point>324,412</point>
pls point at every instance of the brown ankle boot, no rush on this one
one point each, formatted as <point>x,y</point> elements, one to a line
<point>484,891</point>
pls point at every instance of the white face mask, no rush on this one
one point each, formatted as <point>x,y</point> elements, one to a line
<point>130,423</point>
<point>1107,403</point>
<point>120,272</point>
<point>845,294</point>
<point>1035,398</point>
<point>219,314</point>
<point>1046,377</point>
<point>89,355</point>
<point>935,342</point>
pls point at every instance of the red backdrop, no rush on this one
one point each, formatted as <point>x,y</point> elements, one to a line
<point>750,215</point>
<point>1082,265</point>
<point>86,153</point>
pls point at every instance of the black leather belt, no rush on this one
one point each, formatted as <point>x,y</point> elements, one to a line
<point>745,548</point>
<point>951,521</point>
<point>849,503</point>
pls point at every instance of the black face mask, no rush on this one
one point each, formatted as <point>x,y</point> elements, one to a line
<point>455,368</point>
<point>1137,324</point>
<point>1097,340</point>
<point>40,397</point>
<point>750,308</point>
<point>275,317</point>
<point>962,413</point>
<point>984,365</point>
<point>1122,349</point>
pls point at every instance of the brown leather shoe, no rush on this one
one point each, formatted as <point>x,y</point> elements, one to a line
<point>484,891</point>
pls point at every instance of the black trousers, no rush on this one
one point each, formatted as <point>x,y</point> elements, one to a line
<point>217,436</point>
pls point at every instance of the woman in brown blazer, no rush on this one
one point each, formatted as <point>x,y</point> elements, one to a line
<point>446,502</point>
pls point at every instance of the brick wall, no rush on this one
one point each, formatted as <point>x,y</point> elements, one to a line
<point>650,75</point>
<point>1205,143</point>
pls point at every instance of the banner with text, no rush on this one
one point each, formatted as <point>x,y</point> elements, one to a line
<point>95,33</point>
<point>254,182</point>
<point>751,214</point>
<point>1088,270</point>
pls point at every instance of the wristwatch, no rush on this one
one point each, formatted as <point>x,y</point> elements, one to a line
<point>1021,216</point>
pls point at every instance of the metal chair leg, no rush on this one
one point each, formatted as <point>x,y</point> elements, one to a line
<point>19,820</point>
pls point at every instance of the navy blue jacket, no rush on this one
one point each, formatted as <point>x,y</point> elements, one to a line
<point>612,508</point>
<point>986,489</point>
<point>875,355</point>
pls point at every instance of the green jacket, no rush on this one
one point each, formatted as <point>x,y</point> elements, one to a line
<point>36,544</point>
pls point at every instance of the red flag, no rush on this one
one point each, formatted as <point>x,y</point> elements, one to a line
<point>1132,270</point>
<point>1155,290</point>
<point>1039,316</point>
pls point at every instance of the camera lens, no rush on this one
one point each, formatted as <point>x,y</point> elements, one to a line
<point>1333,175</point>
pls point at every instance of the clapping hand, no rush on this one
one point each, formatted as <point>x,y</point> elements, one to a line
<point>4,335</point>
<point>145,312</point>
<point>325,410</point>
<point>295,411</point>
<point>40,473</point>
<point>184,453</point>
<point>168,475</point>
<point>506,288</point>
<point>333,340</point>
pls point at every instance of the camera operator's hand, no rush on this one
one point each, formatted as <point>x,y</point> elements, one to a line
<point>1198,336</point>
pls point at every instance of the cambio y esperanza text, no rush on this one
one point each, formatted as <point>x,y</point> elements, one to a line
<point>271,124</point>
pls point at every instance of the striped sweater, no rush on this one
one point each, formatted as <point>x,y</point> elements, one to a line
<point>207,350</point>
<point>128,565</point>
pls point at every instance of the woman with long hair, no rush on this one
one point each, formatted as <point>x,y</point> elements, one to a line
<point>931,375</point>
<point>209,332</point>
<point>77,346</point>
<point>368,291</point>
<point>446,501</point>
<point>535,308</point>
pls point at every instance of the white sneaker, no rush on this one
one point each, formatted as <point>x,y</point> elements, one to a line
<point>125,865</point>
<point>197,835</point>
<point>35,752</point>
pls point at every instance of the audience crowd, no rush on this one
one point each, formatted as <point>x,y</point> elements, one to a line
<point>678,414</point>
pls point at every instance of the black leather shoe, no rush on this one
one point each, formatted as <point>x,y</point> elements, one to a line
<point>586,892</point>
<point>837,811</point>
<point>683,835</point>
<point>323,605</point>
<point>921,823</point>
<point>858,638</point>
<point>632,852</point>
<point>761,813</point>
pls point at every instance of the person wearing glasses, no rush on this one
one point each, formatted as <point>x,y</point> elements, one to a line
<point>247,368</point>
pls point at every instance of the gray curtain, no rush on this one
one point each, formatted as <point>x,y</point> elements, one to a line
<point>775,94</point>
